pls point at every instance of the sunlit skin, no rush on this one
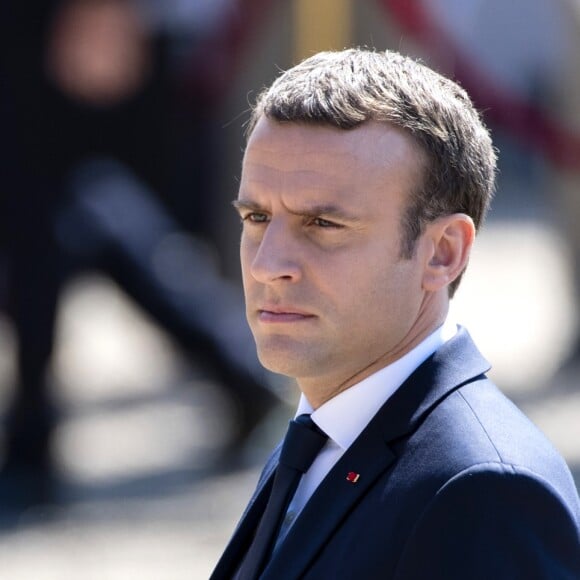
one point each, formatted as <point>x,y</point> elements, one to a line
<point>329,298</point>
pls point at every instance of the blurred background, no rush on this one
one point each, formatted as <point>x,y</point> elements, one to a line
<point>135,416</point>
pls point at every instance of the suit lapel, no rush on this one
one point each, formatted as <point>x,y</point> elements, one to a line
<point>332,501</point>
<point>454,364</point>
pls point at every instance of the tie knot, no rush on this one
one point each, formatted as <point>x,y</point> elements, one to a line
<point>302,443</point>
<point>306,420</point>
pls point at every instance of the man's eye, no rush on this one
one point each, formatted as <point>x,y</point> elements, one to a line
<point>322,223</point>
<point>255,217</point>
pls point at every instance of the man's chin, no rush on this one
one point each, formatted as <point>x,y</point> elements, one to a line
<point>292,360</point>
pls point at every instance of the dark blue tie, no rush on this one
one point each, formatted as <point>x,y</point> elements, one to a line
<point>301,445</point>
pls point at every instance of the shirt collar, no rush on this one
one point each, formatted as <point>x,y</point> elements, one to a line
<point>344,417</point>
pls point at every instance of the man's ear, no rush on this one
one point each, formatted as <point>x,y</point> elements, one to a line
<point>449,241</point>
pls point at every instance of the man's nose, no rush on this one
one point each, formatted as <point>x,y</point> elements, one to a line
<point>278,255</point>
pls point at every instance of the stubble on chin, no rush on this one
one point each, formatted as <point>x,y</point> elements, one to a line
<point>284,355</point>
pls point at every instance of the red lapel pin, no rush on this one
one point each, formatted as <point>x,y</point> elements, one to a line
<point>352,477</point>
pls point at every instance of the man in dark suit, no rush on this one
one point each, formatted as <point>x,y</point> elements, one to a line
<point>365,178</point>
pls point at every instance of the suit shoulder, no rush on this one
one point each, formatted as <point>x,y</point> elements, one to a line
<point>514,437</point>
<point>477,425</point>
<point>480,415</point>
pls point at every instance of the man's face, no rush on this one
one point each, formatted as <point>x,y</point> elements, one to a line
<point>328,297</point>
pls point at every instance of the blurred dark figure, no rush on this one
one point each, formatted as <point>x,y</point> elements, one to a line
<point>86,107</point>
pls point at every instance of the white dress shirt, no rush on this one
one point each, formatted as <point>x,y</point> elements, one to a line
<point>344,417</point>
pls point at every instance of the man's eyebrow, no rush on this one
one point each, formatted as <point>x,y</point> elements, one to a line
<point>328,210</point>
<point>249,205</point>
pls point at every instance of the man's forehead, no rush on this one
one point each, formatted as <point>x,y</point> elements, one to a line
<point>297,140</point>
<point>367,139</point>
<point>327,158</point>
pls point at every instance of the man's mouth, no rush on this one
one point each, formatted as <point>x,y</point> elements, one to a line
<point>282,314</point>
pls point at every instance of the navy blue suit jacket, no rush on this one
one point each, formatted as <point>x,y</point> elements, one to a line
<point>455,483</point>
